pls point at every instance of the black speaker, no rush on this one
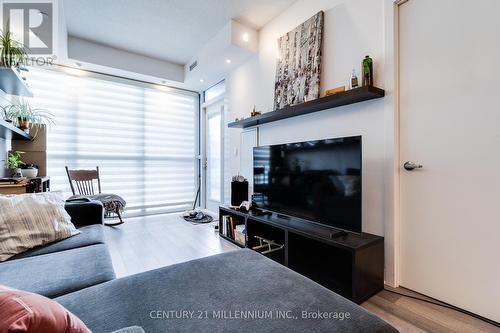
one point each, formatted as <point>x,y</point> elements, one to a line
<point>239,192</point>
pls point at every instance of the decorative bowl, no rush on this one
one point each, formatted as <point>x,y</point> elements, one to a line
<point>29,173</point>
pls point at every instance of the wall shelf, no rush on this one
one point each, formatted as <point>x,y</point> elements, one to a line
<point>352,96</point>
<point>11,132</point>
<point>12,83</point>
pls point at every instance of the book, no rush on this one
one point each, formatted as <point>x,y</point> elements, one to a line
<point>5,181</point>
<point>228,227</point>
<point>232,227</point>
<point>224,225</point>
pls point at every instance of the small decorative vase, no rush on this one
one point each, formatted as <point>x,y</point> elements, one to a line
<point>354,79</point>
<point>367,68</point>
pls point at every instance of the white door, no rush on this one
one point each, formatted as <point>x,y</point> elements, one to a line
<point>450,123</point>
<point>214,191</point>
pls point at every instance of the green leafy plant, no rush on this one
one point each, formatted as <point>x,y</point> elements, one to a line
<point>24,115</point>
<point>14,160</point>
<point>12,53</point>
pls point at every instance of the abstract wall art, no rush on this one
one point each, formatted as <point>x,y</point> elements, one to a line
<point>299,64</point>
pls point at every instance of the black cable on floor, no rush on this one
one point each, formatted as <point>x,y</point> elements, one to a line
<point>444,305</point>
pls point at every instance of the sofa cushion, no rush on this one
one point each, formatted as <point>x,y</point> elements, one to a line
<point>89,235</point>
<point>30,220</point>
<point>59,273</point>
<point>208,295</point>
<point>32,313</point>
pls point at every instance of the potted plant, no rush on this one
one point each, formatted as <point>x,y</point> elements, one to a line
<point>14,162</point>
<point>29,170</point>
<point>25,116</point>
<point>12,53</point>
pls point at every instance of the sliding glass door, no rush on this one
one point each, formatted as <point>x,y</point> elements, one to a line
<point>143,137</point>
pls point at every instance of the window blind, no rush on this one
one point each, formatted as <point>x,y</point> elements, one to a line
<point>143,139</point>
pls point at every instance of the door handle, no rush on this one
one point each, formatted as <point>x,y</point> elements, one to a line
<point>412,166</point>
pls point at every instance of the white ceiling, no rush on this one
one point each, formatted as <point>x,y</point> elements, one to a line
<point>171,30</point>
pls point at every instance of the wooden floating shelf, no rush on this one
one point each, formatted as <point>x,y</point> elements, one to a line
<point>11,132</point>
<point>352,96</point>
<point>12,83</point>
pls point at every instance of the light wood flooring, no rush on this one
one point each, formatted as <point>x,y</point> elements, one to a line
<point>151,242</point>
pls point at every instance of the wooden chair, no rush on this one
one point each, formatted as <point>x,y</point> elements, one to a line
<point>83,180</point>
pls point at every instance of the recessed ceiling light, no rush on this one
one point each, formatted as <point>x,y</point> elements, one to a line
<point>245,37</point>
<point>201,80</point>
<point>228,61</point>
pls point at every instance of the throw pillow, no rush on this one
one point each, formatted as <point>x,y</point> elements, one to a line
<point>27,312</point>
<point>30,220</point>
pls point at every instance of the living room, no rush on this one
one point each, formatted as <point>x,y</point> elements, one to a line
<point>249,165</point>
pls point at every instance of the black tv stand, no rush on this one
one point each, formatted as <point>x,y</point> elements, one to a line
<point>350,264</point>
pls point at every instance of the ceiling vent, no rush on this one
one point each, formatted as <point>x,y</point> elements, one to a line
<point>193,65</point>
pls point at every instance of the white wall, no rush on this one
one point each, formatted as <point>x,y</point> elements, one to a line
<point>212,66</point>
<point>353,29</point>
<point>103,55</point>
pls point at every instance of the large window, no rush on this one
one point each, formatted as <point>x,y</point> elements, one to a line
<point>143,139</point>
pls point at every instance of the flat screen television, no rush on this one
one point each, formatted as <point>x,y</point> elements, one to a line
<point>317,180</point>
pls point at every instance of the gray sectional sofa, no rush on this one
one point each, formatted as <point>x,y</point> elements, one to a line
<point>212,294</point>
<point>69,265</point>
